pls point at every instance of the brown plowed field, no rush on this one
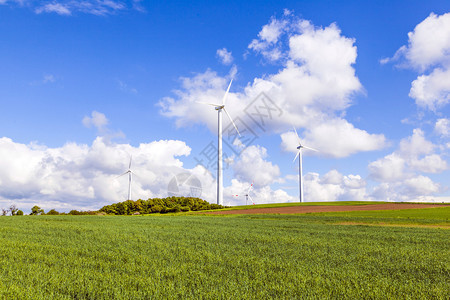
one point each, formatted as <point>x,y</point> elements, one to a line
<point>324,208</point>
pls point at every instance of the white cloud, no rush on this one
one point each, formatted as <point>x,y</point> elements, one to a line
<point>400,172</point>
<point>442,127</point>
<point>433,90</point>
<point>20,2</point>
<point>416,188</point>
<point>225,56</point>
<point>428,51</point>
<point>251,167</point>
<point>100,122</point>
<point>309,91</point>
<point>325,52</point>
<point>389,168</point>
<point>429,164</point>
<point>271,32</point>
<point>335,138</point>
<point>77,176</point>
<point>338,138</point>
<point>97,119</point>
<point>69,7</point>
<point>415,153</point>
<point>429,43</point>
<point>138,6</point>
<point>416,144</point>
<point>57,8</point>
<point>260,194</point>
<point>334,186</point>
<point>268,37</point>
<point>99,8</point>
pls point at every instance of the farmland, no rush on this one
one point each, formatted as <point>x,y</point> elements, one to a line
<point>244,256</point>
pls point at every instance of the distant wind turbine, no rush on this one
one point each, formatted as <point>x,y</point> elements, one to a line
<point>300,171</point>
<point>219,108</point>
<point>247,195</point>
<point>130,178</point>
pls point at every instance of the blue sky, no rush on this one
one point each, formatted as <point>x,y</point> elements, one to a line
<point>86,84</point>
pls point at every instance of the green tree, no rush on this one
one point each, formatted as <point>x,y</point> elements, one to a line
<point>13,209</point>
<point>36,210</point>
<point>19,213</point>
<point>52,212</point>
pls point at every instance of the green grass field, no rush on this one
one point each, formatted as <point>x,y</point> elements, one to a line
<point>230,257</point>
<point>289,204</point>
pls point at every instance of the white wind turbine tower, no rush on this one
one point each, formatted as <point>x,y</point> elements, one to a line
<point>300,162</point>
<point>130,178</point>
<point>219,108</point>
<point>247,195</point>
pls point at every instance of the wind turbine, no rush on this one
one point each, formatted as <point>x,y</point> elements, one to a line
<point>300,171</point>
<point>219,108</point>
<point>247,195</point>
<point>130,179</point>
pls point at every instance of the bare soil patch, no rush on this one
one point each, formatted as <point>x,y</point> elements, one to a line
<point>439,226</point>
<point>319,208</point>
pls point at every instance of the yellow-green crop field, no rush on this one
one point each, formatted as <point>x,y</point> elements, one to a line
<point>312,256</point>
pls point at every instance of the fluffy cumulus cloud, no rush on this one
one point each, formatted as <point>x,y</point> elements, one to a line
<point>225,56</point>
<point>334,186</point>
<point>432,90</point>
<point>401,173</point>
<point>251,166</point>
<point>428,51</point>
<point>442,127</point>
<point>77,176</point>
<point>346,139</point>
<point>314,85</point>
<point>267,42</point>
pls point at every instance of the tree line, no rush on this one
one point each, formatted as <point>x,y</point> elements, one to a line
<point>37,211</point>
<point>159,205</point>
<point>129,207</point>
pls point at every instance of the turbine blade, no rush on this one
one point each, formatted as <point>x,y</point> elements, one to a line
<point>235,127</point>
<point>226,94</point>
<point>122,174</point>
<point>131,157</point>
<point>310,148</point>
<point>250,188</point>
<point>206,103</point>
<point>251,199</point>
<point>298,138</point>
<point>296,155</point>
